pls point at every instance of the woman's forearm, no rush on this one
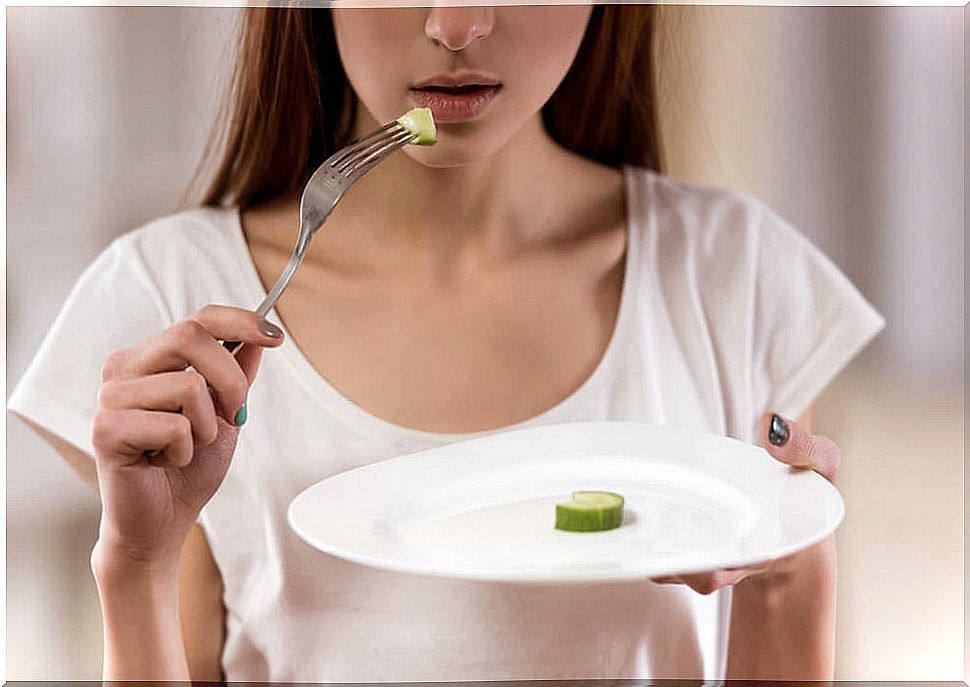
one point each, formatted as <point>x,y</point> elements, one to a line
<point>139,606</point>
<point>783,622</point>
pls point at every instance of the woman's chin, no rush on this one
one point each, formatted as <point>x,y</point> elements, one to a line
<point>443,156</point>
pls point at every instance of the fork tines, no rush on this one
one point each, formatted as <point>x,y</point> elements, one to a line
<point>363,154</point>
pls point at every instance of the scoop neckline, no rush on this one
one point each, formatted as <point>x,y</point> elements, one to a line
<point>369,424</point>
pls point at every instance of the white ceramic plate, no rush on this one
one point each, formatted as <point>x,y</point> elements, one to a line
<point>484,509</point>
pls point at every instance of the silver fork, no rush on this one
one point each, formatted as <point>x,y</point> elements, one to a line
<point>321,194</point>
<point>324,190</point>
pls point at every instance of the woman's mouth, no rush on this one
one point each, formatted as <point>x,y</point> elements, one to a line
<point>456,103</point>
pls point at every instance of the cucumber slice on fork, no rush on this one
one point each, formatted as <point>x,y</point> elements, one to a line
<point>420,122</point>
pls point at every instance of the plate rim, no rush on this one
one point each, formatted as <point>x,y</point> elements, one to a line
<point>542,577</point>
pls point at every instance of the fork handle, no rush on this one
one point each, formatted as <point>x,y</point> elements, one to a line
<point>232,346</point>
<point>274,295</point>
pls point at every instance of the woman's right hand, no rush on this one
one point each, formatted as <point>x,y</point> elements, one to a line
<point>149,401</point>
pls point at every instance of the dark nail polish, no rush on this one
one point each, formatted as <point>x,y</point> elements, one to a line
<point>778,433</point>
<point>270,330</point>
<point>241,415</point>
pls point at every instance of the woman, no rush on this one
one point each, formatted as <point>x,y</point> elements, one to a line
<point>533,266</point>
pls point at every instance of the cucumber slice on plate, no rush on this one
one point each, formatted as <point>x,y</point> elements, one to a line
<point>590,511</point>
<point>420,122</point>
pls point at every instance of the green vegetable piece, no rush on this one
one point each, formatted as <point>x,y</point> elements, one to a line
<point>420,122</point>
<point>590,511</point>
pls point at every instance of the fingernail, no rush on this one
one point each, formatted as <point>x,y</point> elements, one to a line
<point>270,329</point>
<point>241,415</point>
<point>778,432</point>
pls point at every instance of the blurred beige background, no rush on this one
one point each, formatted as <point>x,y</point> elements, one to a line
<point>849,121</point>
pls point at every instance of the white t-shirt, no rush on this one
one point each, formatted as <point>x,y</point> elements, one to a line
<point>726,312</point>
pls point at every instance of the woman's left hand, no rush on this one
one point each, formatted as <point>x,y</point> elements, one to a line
<point>791,443</point>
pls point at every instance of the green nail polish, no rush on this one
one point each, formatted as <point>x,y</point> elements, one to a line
<point>241,415</point>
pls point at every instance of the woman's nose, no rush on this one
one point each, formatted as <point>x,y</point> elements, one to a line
<point>455,28</point>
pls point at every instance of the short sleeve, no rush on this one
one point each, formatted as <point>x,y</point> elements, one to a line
<point>809,320</point>
<point>111,306</point>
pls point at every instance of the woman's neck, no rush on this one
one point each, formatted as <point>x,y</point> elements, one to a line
<point>408,216</point>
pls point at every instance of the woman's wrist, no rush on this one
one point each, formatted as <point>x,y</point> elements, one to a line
<point>782,621</point>
<point>114,563</point>
<point>116,576</point>
<point>140,610</point>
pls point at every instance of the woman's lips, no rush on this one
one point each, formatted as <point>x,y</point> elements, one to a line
<point>455,105</point>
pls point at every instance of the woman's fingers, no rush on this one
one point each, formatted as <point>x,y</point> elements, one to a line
<point>124,435</point>
<point>791,443</point>
<point>188,343</point>
<point>235,324</point>
<point>248,359</point>
<point>174,400</point>
<point>708,583</point>
<point>166,350</point>
<point>754,567</point>
<point>185,392</point>
<point>195,342</point>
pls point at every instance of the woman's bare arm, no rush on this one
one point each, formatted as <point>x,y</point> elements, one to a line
<point>201,612</point>
<point>201,609</point>
<point>783,622</point>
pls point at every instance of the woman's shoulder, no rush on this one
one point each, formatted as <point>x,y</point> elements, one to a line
<point>186,256</point>
<point>700,202</point>
<point>719,219</point>
<point>182,233</point>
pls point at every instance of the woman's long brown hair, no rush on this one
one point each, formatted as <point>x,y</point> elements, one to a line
<point>290,105</point>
